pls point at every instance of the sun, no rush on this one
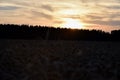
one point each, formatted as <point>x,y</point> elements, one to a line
<point>72,23</point>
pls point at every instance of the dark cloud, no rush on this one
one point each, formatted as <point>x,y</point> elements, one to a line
<point>118,1</point>
<point>42,15</point>
<point>94,16</point>
<point>47,7</point>
<point>101,18</point>
<point>107,22</point>
<point>72,16</point>
<point>113,7</point>
<point>114,16</point>
<point>89,1</point>
<point>8,7</point>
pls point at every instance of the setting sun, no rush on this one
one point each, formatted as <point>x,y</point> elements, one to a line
<point>71,23</point>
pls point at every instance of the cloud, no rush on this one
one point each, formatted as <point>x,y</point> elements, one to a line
<point>47,7</point>
<point>111,19</point>
<point>109,22</point>
<point>103,12</point>
<point>8,7</point>
<point>103,21</point>
<point>95,16</point>
<point>72,16</point>
<point>113,7</point>
<point>108,6</point>
<point>58,21</point>
<point>41,15</point>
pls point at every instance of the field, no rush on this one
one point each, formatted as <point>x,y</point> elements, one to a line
<point>59,60</point>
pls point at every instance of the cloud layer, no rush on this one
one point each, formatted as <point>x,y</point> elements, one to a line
<point>52,13</point>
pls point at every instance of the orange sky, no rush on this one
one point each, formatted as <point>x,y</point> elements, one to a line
<point>88,14</point>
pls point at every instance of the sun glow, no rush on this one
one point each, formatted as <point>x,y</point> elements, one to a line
<point>71,23</point>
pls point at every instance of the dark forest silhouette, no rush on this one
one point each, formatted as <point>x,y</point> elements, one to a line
<point>14,31</point>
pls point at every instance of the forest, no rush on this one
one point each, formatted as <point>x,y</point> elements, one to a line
<point>15,31</point>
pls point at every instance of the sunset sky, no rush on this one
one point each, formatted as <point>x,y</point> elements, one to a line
<point>88,14</point>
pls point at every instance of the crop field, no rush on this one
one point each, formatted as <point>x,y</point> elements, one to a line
<point>59,60</point>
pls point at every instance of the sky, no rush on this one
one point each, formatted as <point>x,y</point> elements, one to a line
<point>87,14</point>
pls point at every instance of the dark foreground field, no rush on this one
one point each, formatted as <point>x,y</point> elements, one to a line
<point>59,60</point>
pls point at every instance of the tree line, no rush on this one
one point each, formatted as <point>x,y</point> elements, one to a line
<point>14,31</point>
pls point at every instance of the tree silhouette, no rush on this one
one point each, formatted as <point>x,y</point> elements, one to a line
<point>13,31</point>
